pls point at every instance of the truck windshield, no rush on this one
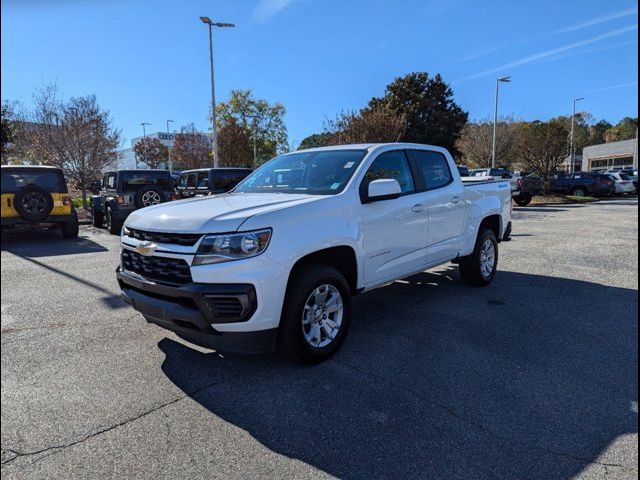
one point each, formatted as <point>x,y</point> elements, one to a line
<point>324,172</point>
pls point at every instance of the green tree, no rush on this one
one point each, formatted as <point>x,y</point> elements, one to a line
<point>151,152</point>
<point>428,108</point>
<point>581,129</point>
<point>542,147</point>
<point>7,124</point>
<point>624,130</point>
<point>597,131</point>
<point>366,126</point>
<point>264,120</point>
<point>316,140</point>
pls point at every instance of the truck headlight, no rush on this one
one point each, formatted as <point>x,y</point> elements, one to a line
<point>231,246</point>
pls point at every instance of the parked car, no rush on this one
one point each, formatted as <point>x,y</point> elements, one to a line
<point>208,181</point>
<point>623,183</point>
<point>582,184</point>
<point>523,186</point>
<point>282,254</point>
<point>122,191</point>
<point>527,186</point>
<point>37,197</point>
<point>631,174</point>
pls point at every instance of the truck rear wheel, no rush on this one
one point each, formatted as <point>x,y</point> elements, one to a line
<point>113,225</point>
<point>480,267</point>
<point>316,313</point>
<point>70,228</point>
<point>523,200</point>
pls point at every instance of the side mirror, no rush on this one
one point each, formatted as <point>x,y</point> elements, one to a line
<point>95,186</point>
<point>383,189</point>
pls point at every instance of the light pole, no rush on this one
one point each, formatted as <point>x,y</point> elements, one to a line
<point>169,148</point>
<point>573,122</point>
<point>144,139</point>
<point>214,136</point>
<point>495,120</point>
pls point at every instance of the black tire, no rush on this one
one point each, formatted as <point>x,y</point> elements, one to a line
<point>33,203</point>
<point>303,282</point>
<point>148,196</point>
<point>70,228</point>
<point>97,217</point>
<point>114,226</point>
<point>523,200</point>
<point>579,192</point>
<point>470,267</point>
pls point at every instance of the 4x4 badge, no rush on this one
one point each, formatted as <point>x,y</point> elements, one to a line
<point>146,248</point>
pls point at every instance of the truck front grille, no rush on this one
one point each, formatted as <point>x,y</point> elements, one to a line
<point>185,239</point>
<point>161,269</point>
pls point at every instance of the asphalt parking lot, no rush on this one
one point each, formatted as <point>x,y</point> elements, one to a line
<point>533,377</point>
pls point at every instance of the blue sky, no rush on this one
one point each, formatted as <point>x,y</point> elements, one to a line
<point>148,60</point>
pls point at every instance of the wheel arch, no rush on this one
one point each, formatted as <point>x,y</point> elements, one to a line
<point>342,258</point>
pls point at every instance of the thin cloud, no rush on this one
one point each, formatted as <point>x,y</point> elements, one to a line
<point>549,53</point>
<point>598,20</point>
<point>591,50</point>
<point>267,9</point>
<point>482,53</point>
<point>610,87</point>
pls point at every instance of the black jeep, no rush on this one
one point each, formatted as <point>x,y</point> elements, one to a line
<point>123,191</point>
<point>209,181</point>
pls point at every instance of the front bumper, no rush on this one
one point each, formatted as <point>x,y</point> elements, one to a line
<point>190,310</point>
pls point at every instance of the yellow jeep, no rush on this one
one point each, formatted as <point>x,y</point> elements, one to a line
<point>37,196</point>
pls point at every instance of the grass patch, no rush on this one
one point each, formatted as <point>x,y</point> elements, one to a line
<point>555,199</point>
<point>77,202</point>
<point>581,199</point>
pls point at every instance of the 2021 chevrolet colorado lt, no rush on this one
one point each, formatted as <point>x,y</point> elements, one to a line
<point>277,259</point>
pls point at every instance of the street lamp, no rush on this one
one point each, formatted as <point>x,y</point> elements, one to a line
<point>214,136</point>
<point>573,122</point>
<point>144,139</point>
<point>495,119</point>
<point>168,148</point>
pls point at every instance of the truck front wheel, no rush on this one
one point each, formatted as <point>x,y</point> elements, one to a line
<point>316,313</point>
<point>479,268</point>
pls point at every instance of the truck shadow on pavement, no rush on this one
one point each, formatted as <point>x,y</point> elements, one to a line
<point>46,243</point>
<point>532,377</point>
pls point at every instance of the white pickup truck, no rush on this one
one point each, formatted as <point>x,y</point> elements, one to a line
<point>276,260</point>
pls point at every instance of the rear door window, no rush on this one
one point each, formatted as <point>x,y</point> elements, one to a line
<point>434,167</point>
<point>202,180</point>
<point>49,179</point>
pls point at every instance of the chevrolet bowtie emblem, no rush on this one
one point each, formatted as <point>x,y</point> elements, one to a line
<point>146,248</point>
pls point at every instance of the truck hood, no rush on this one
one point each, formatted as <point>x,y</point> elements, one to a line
<point>214,214</point>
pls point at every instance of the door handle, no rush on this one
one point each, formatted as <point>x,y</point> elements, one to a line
<point>455,199</point>
<point>418,207</point>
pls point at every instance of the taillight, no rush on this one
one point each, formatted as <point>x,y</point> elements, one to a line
<point>520,183</point>
<point>120,200</point>
<point>173,196</point>
<point>66,201</point>
<point>597,182</point>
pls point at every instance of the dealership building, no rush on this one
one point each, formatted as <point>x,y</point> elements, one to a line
<point>610,155</point>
